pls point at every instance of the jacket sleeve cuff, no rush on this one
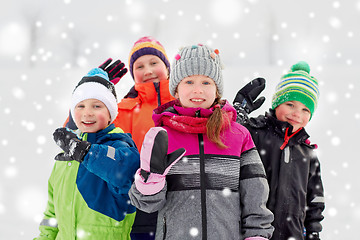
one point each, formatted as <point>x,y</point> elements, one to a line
<point>154,184</point>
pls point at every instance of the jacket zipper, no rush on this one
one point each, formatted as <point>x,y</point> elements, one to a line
<point>164,228</point>
<point>202,187</point>
<point>157,89</point>
<point>202,183</point>
<point>287,138</point>
<point>287,154</point>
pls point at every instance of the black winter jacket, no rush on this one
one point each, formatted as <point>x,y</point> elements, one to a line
<point>296,191</point>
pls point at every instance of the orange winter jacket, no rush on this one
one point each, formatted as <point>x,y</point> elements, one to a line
<point>135,110</point>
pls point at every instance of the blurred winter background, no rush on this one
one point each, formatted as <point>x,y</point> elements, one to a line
<point>47,46</point>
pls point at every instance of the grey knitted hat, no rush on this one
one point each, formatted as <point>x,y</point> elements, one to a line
<point>196,60</point>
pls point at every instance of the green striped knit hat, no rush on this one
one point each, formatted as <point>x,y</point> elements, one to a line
<point>297,85</point>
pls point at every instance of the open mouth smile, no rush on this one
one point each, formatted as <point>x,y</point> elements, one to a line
<point>88,123</point>
<point>197,100</point>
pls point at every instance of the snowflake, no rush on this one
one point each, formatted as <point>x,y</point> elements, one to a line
<point>53,222</point>
<point>226,192</point>
<point>194,232</point>
<point>335,141</point>
<point>11,172</point>
<point>41,140</point>
<point>332,212</point>
<point>18,93</point>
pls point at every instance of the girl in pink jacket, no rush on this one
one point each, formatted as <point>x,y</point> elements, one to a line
<point>199,168</point>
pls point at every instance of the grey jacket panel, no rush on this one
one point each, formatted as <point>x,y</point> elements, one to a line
<point>255,213</point>
<point>180,215</point>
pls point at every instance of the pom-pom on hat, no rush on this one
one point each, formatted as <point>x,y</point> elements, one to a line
<point>96,85</point>
<point>297,85</point>
<point>147,46</point>
<point>196,60</point>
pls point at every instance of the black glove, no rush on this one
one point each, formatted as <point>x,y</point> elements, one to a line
<point>74,148</point>
<point>115,71</point>
<point>245,98</point>
<point>63,157</point>
<point>313,236</point>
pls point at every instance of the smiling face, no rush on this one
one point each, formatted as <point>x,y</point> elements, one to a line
<point>196,91</point>
<point>293,112</point>
<point>149,68</point>
<point>91,115</point>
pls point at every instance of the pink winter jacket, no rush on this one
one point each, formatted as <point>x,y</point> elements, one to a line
<point>220,193</point>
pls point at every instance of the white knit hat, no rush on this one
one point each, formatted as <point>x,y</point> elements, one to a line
<point>196,60</point>
<point>96,85</point>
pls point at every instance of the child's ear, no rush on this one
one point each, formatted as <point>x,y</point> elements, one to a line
<point>168,73</point>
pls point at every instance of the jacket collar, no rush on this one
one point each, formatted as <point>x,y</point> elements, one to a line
<point>280,128</point>
<point>146,93</point>
<point>174,108</point>
<point>92,137</point>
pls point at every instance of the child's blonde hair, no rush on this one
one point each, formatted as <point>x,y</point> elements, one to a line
<point>216,123</point>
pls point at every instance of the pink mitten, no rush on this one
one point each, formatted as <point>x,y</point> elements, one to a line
<point>155,162</point>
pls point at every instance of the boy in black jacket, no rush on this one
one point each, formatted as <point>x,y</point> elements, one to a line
<point>293,170</point>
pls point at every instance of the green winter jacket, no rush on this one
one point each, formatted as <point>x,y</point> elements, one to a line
<point>89,200</point>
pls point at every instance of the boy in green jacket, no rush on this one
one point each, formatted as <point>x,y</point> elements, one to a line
<point>89,184</point>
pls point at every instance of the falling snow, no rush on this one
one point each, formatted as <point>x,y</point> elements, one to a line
<point>194,232</point>
<point>46,47</point>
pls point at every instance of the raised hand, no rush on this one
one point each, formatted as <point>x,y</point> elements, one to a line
<point>115,71</point>
<point>155,162</point>
<point>246,97</point>
<point>73,147</point>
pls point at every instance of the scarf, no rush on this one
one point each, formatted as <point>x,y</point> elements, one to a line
<point>191,124</point>
<point>186,123</point>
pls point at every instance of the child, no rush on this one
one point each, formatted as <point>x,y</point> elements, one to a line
<point>149,67</point>
<point>218,190</point>
<point>292,167</point>
<point>90,180</point>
